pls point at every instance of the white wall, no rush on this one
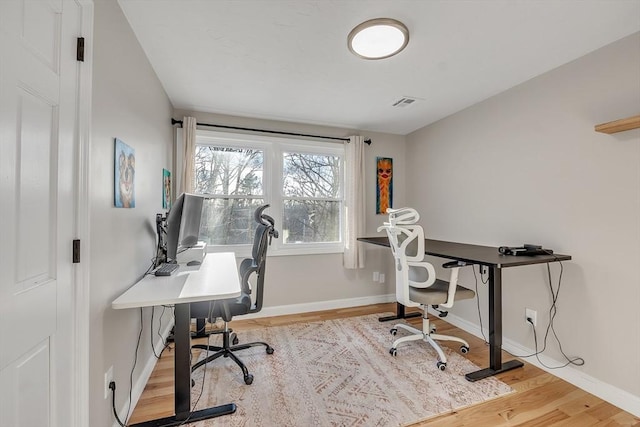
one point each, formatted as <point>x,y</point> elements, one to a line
<point>128,103</point>
<point>319,279</point>
<point>527,167</point>
<point>524,166</point>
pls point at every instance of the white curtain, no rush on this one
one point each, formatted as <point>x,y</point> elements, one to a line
<point>355,202</point>
<point>188,154</point>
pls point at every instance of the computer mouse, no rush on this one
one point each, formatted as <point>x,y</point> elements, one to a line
<point>192,263</point>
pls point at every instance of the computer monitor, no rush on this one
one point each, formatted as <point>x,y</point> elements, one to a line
<point>183,224</point>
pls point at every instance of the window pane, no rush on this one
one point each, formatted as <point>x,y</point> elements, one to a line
<point>311,175</point>
<point>228,221</point>
<point>228,171</point>
<point>311,221</point>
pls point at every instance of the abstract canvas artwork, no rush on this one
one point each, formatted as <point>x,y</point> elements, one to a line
<point>124,173</point>
<point>384,186</point>
<point>166,189</point>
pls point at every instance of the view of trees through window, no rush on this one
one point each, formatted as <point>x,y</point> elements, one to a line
<point>311,191</point>
<point>309,187</point>
<point>233,179</point>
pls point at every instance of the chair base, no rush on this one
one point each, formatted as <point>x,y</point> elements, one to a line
<point>428,335</point>
<point>228,350</point>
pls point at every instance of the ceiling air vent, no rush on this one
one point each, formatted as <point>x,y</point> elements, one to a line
<point>404,102</point>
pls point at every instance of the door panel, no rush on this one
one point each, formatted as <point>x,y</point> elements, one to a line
<point>36,186</point>
<point>38,122</point>
<point>30,97</point>
<point>41,20</point>
<point>30,387</point>
<point>24,381</point>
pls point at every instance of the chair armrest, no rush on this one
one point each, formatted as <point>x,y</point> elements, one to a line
<point>246,269</point>
<point>453,281</point>
<point>452,264</point>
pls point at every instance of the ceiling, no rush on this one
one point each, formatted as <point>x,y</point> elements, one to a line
<point>288,60</point>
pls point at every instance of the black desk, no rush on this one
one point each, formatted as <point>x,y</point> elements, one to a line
<point>490,257</point>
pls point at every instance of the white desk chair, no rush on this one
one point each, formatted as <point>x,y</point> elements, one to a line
<point>416,282</point>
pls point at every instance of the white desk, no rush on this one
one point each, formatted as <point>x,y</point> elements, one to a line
<point>217,278</point>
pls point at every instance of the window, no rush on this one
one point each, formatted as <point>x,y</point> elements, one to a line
<point>302,181</point>
<point>232,177</point>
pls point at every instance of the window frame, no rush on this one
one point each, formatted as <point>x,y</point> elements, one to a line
<point>273,185</point>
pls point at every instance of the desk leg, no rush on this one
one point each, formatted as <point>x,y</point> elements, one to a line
<point>495,331</point>
<point>182,378</point>
<point>400,314</point>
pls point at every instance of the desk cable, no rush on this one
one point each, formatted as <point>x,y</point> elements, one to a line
<point>204,370</point>
<point>164,341</point>
<point>553,310</point>
<point>112,384</point>
<point>478,299</point>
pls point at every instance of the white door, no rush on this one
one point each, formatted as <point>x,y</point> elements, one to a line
<point>38,149</point>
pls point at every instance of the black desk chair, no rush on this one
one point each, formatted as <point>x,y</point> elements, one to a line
<point>228,308</point>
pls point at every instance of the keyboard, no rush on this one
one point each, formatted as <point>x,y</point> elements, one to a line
<point>166,269</point>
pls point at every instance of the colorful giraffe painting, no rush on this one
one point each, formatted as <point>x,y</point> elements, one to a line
<point>384,189</point>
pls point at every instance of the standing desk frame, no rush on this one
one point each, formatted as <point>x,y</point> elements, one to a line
<point>217,278</point>
<point>490,257</point>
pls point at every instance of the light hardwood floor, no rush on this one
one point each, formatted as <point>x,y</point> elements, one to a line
<point>540,399</point>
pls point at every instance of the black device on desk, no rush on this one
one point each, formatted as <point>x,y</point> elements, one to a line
<point>166,269</point>
<point>525,250</point>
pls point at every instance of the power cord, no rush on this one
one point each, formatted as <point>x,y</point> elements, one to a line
<point>135,361</point>
<point>553,310</point>
<point>204,375</point>
<point>153,265</point>
<point>578,361</point>
<point>112,386</point>
<point>164,342</point>
<point>478,299</point>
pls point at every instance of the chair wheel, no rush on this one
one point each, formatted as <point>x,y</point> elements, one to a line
<point>432,330</point>
<point>248,379</point>
<point>464,349</point>
<point>393,331</point>
<point>235,340</point>
<point>269,350</point>
<point>393,352</point>
<point>193,382</point>
<point>441,365</point>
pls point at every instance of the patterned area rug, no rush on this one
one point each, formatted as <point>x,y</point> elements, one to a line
<point>338,373</point>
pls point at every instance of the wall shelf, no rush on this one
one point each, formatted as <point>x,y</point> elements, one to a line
<point>621,125</point>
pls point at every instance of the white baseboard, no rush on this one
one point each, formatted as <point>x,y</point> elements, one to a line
<point>282,310</point>
<point>143,378</point>
<point>620,398</point>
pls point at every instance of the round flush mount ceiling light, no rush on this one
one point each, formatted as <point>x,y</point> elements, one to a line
<point>378,38</point>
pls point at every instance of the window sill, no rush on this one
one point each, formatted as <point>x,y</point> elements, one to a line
<point>305,251</point>
<point>245,251</point>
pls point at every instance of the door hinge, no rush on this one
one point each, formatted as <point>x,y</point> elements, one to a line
<point>76,251</point>
<point>80,49</point>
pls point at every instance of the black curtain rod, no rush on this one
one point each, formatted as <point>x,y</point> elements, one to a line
<point>179,122</point>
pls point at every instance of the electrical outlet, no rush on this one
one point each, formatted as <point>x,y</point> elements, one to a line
<point>381,277</point>
<point>108,377</point>
<point>531,314</point>
<point>376,276</point>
